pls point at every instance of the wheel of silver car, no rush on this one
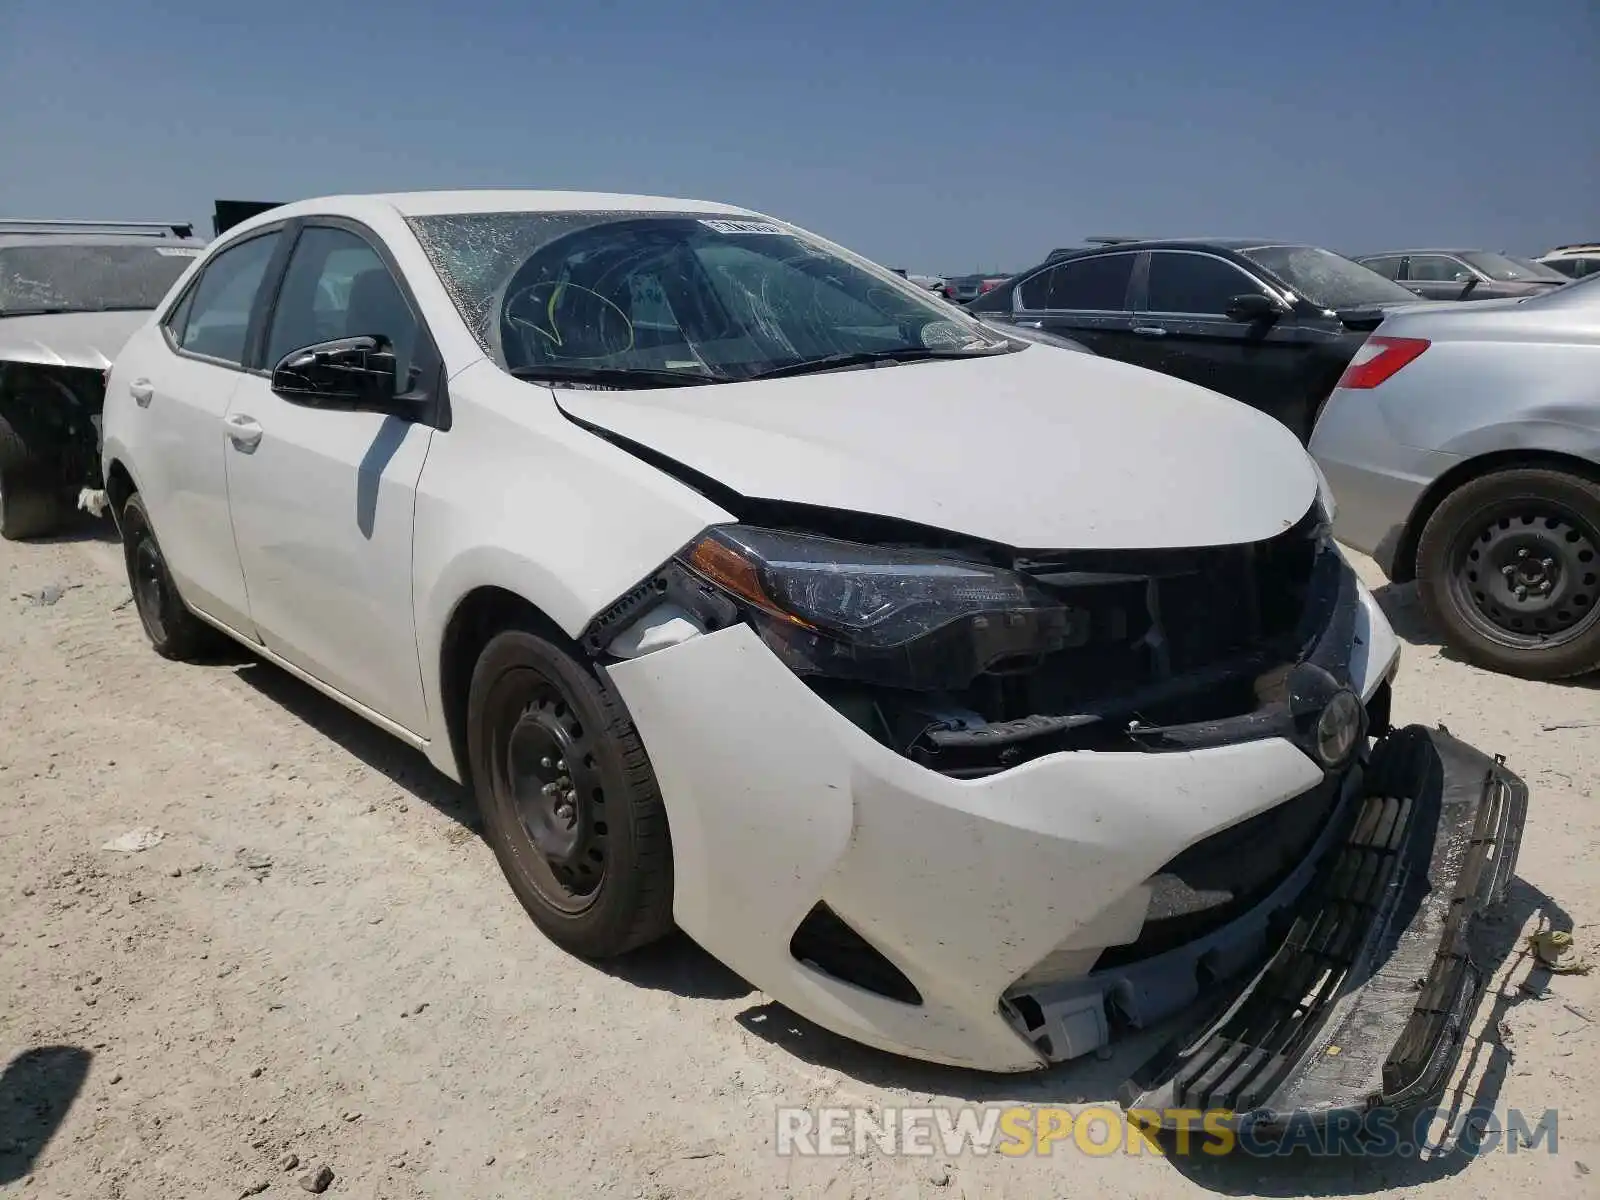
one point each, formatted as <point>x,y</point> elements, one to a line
<point>570,803</point>
<point>28,507</point>
<point>1509,566</point>
<point>173,630</point>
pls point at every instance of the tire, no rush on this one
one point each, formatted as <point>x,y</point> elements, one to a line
<point>592,864</point>
<point>1533,529</point>
<point>29,506</point>
<point>173,630</point>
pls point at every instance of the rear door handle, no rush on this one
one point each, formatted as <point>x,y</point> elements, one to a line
<point>1150,330</point>
<point>244,432</point>
<point>142,392</point>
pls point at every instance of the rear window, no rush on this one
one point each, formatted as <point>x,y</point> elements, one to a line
<point>88,277</point>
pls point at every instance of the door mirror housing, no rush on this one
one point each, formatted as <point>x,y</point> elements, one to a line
<point>1255,306</point>
<point>349,373</point>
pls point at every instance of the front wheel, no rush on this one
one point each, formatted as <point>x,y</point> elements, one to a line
<point>173,630</point>
<point>569,801</point>
<point>1507,568</point>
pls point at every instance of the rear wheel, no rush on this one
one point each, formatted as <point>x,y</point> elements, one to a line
<point>29,506</point>
<point>173,630</point>
<point>569,801</point>
<point>1508,567</point>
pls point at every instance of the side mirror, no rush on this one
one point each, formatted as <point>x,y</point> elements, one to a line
<point>1254,306</point>
<point>352,373</point>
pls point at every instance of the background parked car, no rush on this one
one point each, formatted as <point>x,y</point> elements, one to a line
<point>1463,274</point>
<point>1271,324</point>
<point>71,292</point>
<point>963,289</point>
<point>1463,446</point>
<point>1574,261</point>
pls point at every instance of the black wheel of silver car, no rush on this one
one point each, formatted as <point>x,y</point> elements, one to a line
<point>569,801</point>
<point>173,630</point>
<point>1508,566</point>
<point>29,506</point>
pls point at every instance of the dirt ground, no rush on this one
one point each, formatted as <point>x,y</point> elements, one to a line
<point>320,959</point>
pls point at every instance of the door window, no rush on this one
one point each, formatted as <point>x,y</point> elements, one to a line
<point>1099,283</point>
<point>1388,266</point>
<point>1194,283</point>
<point>338,287</point>
<point>215,319</point>
<point>1438,268</point>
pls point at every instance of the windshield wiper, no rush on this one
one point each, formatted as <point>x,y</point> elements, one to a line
<point>617,377</point>
<point>866,358</point>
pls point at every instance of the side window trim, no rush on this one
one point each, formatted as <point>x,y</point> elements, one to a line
<point>1252,279</point>
<point>268,281</point>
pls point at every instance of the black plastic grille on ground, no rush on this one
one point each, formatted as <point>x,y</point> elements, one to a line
<point>1259,1043</point>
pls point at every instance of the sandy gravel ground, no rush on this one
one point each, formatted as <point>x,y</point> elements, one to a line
<point>320,960</point>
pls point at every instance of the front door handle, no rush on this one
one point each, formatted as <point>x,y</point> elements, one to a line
<point>244,433</point>
<point>1031,324</point>
<point>1150,330</point>
<point>142,391</point>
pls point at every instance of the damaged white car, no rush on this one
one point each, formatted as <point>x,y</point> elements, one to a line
<point>977,699</point>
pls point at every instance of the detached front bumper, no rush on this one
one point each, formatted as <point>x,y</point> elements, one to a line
<point>1368,997</point>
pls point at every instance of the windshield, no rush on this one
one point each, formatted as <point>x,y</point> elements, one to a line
<point>1508,269</point>
<point>640,298</point>
<point>85,277</point>
<point>1329,279</point>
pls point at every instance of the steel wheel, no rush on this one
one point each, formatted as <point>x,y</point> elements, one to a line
<point>1528,575</point>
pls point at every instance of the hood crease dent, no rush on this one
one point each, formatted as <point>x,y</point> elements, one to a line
<point>1040,449</point>
<point>77,339</point>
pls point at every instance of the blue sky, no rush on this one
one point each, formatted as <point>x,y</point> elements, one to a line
<point>931,134</point>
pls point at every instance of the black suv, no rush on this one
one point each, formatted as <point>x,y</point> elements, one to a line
<point>1272,324</point>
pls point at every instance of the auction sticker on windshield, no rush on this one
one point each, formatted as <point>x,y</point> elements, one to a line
<point>743,226</point>
<point>179,251</point>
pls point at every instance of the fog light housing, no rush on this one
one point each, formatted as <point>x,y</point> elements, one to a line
<point>1339,728</point>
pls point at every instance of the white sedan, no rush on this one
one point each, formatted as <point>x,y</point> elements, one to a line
<point>977,699</point>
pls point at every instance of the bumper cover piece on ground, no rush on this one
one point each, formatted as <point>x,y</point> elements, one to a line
<point>1368,998</point>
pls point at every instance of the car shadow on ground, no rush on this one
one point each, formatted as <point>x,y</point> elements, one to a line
<point>82,528</point>
<point>676,964</point>
<point>37,1089</point>
<point>1480,1073</point>
<point>1410,623</point>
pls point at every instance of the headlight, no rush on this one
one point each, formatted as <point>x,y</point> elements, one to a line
<point>902,618</point>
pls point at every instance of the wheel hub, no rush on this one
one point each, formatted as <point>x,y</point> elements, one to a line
<point>1531,576</point>
<point>548,787</point>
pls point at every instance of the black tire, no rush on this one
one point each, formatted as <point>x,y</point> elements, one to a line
<point>1508,569</point>
<point>31,503</point>
<point>586,849</point>
<point>173,630</point>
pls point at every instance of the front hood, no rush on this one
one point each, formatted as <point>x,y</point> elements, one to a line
<point>1038,449</point>
<point>86,339</point>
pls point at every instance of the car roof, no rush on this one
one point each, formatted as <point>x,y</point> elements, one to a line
<point>1427,250</point>
<point>487,200</point>
<point>1184,243</point>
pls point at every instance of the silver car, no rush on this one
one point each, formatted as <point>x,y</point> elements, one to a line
<point>1463,448</point>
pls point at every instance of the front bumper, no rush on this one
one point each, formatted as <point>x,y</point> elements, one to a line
<point>1366,1000</point>
<point>780,809</point>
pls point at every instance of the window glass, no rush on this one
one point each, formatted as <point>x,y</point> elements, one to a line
<point>1438,268</point>
<point>180,315</point>
<point>1194,283</point>
<point>89,276</point>
<point>1098,283</point>
<point>219,316</point>
<point>338,287</point>
<point>1388,267</point>
<point>679,296</point>
<point>1328,279</point>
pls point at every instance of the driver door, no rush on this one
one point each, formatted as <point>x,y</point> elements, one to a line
<point>322,500</point>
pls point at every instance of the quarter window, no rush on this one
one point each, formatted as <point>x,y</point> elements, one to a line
<point>1194,283</point>
<point>216,321</point>
<point>1099,283</point>
<point>338,287</point>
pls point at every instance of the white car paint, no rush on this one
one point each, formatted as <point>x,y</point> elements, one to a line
<point>340,544</point>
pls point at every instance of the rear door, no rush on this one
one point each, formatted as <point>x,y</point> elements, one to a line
<point>1085,299</point>
<point>180,382</point>
<point>1438,276</point>
<point>1182,317</point>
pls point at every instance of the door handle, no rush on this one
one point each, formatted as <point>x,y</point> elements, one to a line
<point>142,392</point>
<point>1150,330</point>
<point>1031,324</point>
<point>244,433</point>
